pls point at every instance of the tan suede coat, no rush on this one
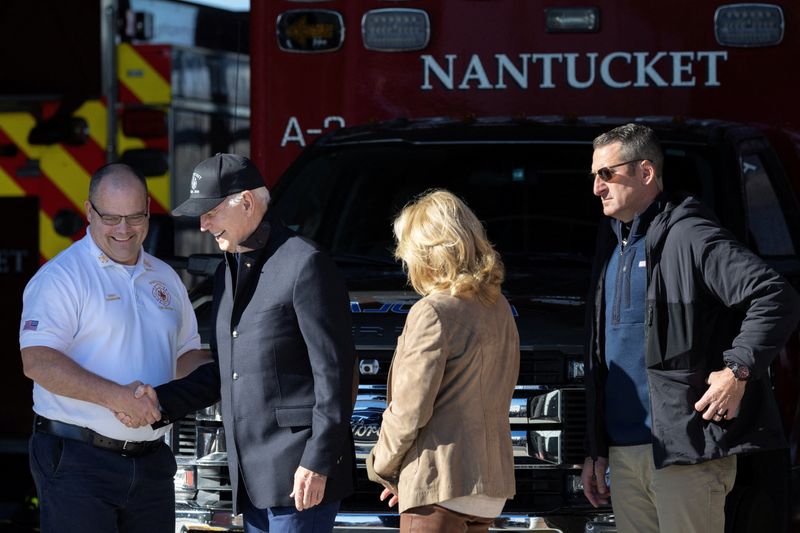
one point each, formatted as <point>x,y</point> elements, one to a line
<point>445,432</point>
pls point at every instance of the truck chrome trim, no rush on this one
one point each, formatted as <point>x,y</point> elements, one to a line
<point>195,518</point>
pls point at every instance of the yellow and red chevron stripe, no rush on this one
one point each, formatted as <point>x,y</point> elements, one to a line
<point>66,191</point>
<point>144,79</point>
<point>94,112</point>
<point>62,179</point>
<point>144,71</point>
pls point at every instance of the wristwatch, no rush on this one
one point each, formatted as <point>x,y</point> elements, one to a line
<point>740,372</point>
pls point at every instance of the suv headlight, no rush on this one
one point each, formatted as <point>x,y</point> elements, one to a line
<point>575,370</point>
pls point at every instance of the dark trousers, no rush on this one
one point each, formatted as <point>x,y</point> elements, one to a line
<point>438,519</point>
<point>87,489</point>
<point>318,519</point>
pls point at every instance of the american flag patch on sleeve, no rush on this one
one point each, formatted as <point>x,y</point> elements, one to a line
<point>30,325</point>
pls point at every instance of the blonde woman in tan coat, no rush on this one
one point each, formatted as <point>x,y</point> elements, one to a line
<point>444,452</point>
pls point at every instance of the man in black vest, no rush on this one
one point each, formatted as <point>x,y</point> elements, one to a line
<point>284,357</point>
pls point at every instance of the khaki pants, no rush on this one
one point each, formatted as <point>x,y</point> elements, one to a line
<point>674,499</point>
<point>437,519</point>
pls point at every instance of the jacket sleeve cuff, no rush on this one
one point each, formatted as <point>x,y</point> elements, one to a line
<point>390,484</point>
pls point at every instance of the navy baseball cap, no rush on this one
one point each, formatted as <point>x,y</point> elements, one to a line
<point>216,178</point>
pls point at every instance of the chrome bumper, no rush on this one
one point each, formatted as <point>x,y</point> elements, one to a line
<point>190,518</point>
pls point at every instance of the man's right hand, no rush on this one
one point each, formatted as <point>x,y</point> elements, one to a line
<point>593,477</point>
<point>137,405</point>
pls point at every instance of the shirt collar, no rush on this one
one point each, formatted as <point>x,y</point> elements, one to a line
<point>640,222</point>
<point>258,239</point>
<point>103,260</point>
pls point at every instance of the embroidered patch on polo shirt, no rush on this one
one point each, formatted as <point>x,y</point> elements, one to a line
<point>160,293</point>
<point>30,325</point>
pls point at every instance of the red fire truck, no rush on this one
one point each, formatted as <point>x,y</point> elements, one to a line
<point>323,65</point>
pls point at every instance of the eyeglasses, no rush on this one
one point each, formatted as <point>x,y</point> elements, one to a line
<point>606,173</point>
<point>112,220</point>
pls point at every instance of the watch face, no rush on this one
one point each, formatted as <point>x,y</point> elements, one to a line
<point>741,372</point>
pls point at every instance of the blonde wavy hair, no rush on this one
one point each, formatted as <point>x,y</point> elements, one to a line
<point>443,247</point>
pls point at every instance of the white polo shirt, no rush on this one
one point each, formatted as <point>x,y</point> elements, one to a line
<point>120,325</point>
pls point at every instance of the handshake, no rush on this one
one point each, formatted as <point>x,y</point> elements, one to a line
<point>136,405</point>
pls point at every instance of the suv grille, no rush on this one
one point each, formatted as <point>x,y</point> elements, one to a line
<point>541,367</point>
<point>574,405</point>
<point>184,437</point>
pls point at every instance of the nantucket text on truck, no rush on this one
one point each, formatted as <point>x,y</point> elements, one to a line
<point>617,70</point>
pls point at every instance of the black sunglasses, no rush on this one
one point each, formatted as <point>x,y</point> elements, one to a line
<point>606,173</point>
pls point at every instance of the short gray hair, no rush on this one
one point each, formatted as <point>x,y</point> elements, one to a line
<point>261,194</point>
<point>638,141</point>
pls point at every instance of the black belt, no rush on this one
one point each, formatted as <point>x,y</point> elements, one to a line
<point>70,431</point>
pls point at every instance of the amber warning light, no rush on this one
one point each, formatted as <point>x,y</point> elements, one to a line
<point>310,30</point>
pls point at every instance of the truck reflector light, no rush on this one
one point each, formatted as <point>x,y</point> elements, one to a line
<point>185,479</point>
<point>572,19</point>
<point>67,222</point>
<point>310,30</point>
<point>395,29</point>
<point>70,130</point>
<point>749,25</point>
<point>144,123</point>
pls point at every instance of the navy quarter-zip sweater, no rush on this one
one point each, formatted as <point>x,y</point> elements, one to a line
<point>627,399</point>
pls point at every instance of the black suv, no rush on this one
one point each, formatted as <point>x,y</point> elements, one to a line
<point>528,181</point>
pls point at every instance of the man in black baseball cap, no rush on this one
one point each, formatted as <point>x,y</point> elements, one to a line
<point>215,179</point>
<point>285,358</point>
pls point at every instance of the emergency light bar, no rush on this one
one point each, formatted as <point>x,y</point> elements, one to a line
<point>749,25</point>
<point>572,19</point>
<point>310,30</point>
<point>395,29</point>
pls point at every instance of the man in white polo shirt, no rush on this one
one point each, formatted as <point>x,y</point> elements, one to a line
<point>99,319</point>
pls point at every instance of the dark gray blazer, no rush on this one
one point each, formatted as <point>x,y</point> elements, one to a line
<point>284,368</point>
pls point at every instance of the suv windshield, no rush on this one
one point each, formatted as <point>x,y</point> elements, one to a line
<point>535,200</point>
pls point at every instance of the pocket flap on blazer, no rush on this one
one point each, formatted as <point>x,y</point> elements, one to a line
<point>288,417</point>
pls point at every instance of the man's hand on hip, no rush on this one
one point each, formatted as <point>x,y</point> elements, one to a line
<point>309,488</point>
<point>721,400</point>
